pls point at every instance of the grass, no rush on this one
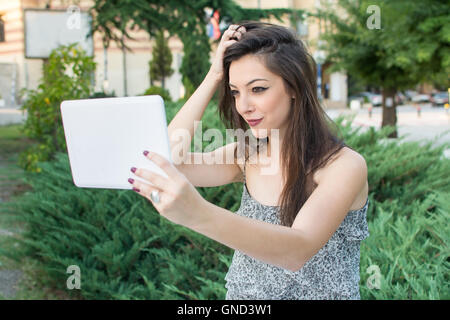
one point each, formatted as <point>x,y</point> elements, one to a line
<point>30,287</point>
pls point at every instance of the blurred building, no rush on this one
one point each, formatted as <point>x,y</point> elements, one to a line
<point>127,73</point>
<point>124,72</point>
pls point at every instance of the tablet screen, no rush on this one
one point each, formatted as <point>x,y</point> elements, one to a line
<point>106,137</point>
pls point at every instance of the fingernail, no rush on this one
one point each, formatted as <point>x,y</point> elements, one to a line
<point>131,180</point>
<point>145,153</point>
<point>133,169</point>
<point>136,189</point>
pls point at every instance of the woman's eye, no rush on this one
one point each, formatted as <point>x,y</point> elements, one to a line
<point>259,89</point>
<point>255,89</point>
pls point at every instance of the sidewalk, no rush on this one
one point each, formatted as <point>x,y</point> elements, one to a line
<point>430,123</point>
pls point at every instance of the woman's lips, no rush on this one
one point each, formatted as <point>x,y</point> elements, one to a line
<point>254,122</point>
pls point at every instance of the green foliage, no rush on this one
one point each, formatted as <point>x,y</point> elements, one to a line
<point>67,75</point>
<point>414,255</point>
<point>126,250</point>
<point>411,46</point>
<point>189,89</point>
<point>160,65</point>
<point>164,93</point>
<point>195,63</point>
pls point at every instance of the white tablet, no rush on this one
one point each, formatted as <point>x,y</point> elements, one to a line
<point>106,137</point>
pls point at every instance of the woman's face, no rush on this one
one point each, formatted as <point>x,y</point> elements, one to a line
<point>259,94</point>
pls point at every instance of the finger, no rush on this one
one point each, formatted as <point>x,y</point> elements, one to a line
<point>231,33</point>
<point>164,164</point>
<point>229,43</point>
<point>145,190</point>
<point>241,29</point>
<point>152,177</point>
<point>237,28</point>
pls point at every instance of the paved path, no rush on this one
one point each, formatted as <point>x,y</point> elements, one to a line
<point>8,282</point>
<point>430,123</point>
<point>9,278</point>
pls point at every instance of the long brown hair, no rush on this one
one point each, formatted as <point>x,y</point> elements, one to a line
<point>311,142</point>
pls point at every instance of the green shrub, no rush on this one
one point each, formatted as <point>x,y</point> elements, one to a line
<point>164,93</point>
<point>411,250</point>
<point>125,250</point>
<point>67,75</point>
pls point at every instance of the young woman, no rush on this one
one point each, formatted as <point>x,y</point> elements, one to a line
<point>298,230</point>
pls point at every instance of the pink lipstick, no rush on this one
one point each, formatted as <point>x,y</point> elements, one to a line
<point>254,122</point>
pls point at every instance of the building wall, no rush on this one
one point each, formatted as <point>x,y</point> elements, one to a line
<point>11,50</point>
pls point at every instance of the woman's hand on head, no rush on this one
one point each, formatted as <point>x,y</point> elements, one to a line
<point>233,31</point>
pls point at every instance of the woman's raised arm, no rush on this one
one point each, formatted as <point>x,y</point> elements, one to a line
<point>193,109</point>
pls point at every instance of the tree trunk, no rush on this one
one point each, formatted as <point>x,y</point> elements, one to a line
<point>389,110</point>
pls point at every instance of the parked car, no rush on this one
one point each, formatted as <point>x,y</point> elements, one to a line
<point>360,97</point>
<point>363,97</point>
<point>439,98</point>
<point>376,99</point>
<point>410,94</point>
<point>418,98</point>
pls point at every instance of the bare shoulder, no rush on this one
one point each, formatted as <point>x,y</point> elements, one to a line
<point>351,157</point>
<point>344,158</point>
<point>347,165</point>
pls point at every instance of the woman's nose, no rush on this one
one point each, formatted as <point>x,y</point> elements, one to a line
<point>244,105</point>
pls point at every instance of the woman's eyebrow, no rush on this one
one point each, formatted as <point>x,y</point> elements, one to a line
<point>250,82</point>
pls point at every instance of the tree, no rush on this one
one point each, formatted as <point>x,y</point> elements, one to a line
<point>194,65</point>
<point>160,65</point>
<point>67,75</point>
<point>409,46</point>
<point>185,19</point>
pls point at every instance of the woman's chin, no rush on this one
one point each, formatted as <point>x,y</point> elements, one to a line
<point>259,133</point>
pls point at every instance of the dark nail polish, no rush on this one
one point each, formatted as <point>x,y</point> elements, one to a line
<point>136,189</point>
<point>131,180</point>
<point>133,169</point>
<point>145,153</point>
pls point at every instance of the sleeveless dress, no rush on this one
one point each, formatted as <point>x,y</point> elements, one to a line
<point>332,273</point>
